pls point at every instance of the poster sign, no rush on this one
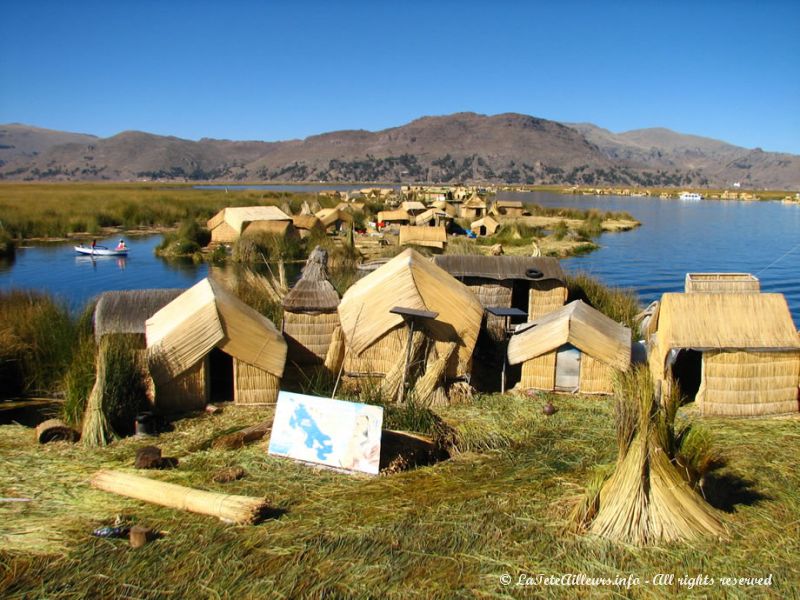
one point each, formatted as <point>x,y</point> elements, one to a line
<point>336,433</point>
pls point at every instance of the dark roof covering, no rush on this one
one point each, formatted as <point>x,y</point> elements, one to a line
<point>500,267</point>
<point>126,311</point>
<point>313,292</point>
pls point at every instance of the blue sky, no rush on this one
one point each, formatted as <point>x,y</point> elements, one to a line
<point>281,70</point>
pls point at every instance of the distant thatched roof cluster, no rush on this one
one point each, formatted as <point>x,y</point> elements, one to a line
<point>125,312</point>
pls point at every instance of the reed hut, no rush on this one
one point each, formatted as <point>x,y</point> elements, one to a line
<point>508,208</point>
<point>533,284</point>
<point>485,226</point>
<point>721,283</point>
<point>447,208</point>
<point>226,349</point>
<point>433,217</point>
<point>474,208</point>
<point>413,207</point>
<point>310,317</point>
<point>430,237</point>
<point>229,224</point>
<point>307,225</point>
<point>335,219</point>
<point>394,217</point>
<point>376,339</point>
<point>119,317</point>
<point>575,349</point>
<point>737,354</point>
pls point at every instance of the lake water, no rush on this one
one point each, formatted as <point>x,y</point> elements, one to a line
<point>57,269</point>
<point>675,238</point>
<point>762,238</point>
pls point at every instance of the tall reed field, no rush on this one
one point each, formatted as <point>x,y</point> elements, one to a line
<point>56,210</point>
<point>36,343</point>
<point>620,304</point>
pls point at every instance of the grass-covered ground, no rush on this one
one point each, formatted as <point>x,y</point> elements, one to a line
<point>498,506</point>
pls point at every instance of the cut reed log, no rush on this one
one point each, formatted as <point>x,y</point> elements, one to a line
<point>139,536</point>
<point>55,430</point>
<point>239,439</point>
<point>243,510</point>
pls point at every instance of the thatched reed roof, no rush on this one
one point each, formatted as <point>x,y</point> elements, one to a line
<point>204,317</point>
<point>237,217</point>
<point>434,237</point>
<point>430,215</point>
<point>313,292</point>
<point>306,221</point>
<point>448,208</point>
<point>474,201</point>
<point>125,312</point>
<point>410,281</point>
<point>578,324</point>
<point>721,282</point>
<point>330,216</point>
<point>489,223</point>
<point>500,268</point>
<point>393,215</point>
<point>725,322</point>
<point>411,206</point>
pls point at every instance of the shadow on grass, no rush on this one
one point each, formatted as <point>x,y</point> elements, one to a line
<point>726,491</point>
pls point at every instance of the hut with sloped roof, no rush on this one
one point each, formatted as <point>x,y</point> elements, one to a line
<point>430,237</point>
<point>393,217</point>
<point>376,339</point>
<point>207,334</point>
<point>334,219</point>
<point>473,208</point>
<point>485,226</point>
<point>508,208</point>
<point>309,314</point>
<point>736,354</point>
<point>575,349</point>
<point>231,223</point>
<point>307,225</point>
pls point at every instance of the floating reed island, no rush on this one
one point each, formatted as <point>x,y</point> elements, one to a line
<point>498,475</point>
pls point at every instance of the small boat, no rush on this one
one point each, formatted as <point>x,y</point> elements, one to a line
<point>100,251</point>
<point>690,196</point>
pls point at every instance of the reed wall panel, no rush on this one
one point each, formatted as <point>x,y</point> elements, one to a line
<point>224,234</point>
<point>545,297</point>
<point>252,386</point>
<point>378,358</point>
<point>539,373</point>
<point>596,377</point>
<point>749,383</point>
<point>309,335</point>
<point>493,293</point>
<point>185,393</point>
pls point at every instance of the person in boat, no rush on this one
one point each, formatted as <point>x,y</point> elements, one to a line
<point>94,244</point>
<point>121,246</point>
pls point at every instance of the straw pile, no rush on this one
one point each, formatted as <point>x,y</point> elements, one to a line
<point>646,500</point>
<point>243,510</point>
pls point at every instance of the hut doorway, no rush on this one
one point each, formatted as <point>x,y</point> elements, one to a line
<point>220,376</point>
<point>568,368</point>
<point>687,371</point>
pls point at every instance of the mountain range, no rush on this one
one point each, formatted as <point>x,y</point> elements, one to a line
<point>463,147</point>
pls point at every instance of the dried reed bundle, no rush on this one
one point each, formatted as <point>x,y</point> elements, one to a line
<point>335,355</point>
<point>434,371</point>
<point>394,377</point>
<point>646,500</point>
<point>244,510</point>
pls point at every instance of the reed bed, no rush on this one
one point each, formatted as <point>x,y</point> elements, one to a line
<point>498,506</point>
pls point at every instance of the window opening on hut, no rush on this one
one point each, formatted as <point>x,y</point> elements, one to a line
<point>687,371</point>
<point>220,376</point>
<point>568,368</point>
<point>520,292</point>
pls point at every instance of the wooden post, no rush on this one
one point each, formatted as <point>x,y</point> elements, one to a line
<point>402,391</point>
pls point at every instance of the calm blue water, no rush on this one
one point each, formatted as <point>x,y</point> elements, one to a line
<point>675,238</point>
<point>56,268</point>
<point>682,237</point>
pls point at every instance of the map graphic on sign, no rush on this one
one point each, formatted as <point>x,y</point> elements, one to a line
<point>336,433</point>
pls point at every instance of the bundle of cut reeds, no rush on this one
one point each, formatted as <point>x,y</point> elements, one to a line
<point>434,372</point>
<point>391,383</point>
<point>646,500</point>
<point>244,510</point>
